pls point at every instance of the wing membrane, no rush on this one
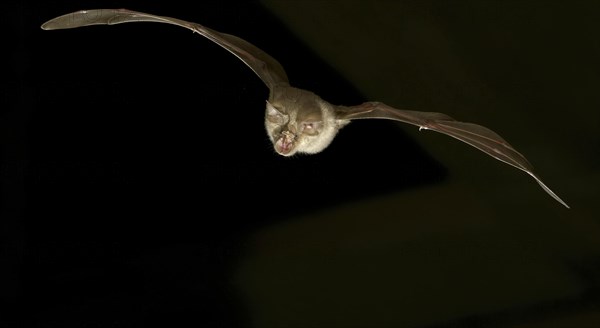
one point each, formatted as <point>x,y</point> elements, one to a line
<point>475,135</point>
<point>266,67</point>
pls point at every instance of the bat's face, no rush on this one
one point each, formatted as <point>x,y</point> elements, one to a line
<point>292,131</point>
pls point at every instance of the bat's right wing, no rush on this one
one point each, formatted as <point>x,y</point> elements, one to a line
<point>475,135</point>
<point>265,66</point>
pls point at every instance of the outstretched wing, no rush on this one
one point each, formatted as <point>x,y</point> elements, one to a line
<point>475,135</point>
<point>265,66</point>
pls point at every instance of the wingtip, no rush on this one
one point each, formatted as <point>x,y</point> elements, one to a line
<point>548,190</point>
<point>65,21</point>
<point>50,25</point>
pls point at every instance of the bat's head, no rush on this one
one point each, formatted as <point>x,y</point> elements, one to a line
<point>297,128</point>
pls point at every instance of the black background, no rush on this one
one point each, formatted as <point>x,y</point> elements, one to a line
<point>136,173</point>
<point>135,163</point>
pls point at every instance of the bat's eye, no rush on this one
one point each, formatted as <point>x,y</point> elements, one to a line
<point>310,128</point>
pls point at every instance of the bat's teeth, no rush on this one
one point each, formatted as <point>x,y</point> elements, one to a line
<point>284,145</point>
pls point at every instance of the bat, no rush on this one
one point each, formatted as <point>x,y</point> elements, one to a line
<point>298,120</point>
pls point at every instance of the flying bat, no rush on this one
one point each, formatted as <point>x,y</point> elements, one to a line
<point>299,121</point>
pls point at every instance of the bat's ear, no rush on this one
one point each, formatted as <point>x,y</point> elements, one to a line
<point>271,110</point>
<point>274,115</point>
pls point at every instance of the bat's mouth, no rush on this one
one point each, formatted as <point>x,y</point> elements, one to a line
<point>285,143</point>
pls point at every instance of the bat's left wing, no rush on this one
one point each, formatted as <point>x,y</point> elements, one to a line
<point>266,67</point>
<point>475,135</point>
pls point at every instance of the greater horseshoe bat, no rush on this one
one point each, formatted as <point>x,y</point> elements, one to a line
<point>299,121</point>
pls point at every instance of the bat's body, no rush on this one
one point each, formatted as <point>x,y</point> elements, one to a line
<point>299,121</point>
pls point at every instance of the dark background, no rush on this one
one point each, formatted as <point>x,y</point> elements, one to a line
<point>139,187</point>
